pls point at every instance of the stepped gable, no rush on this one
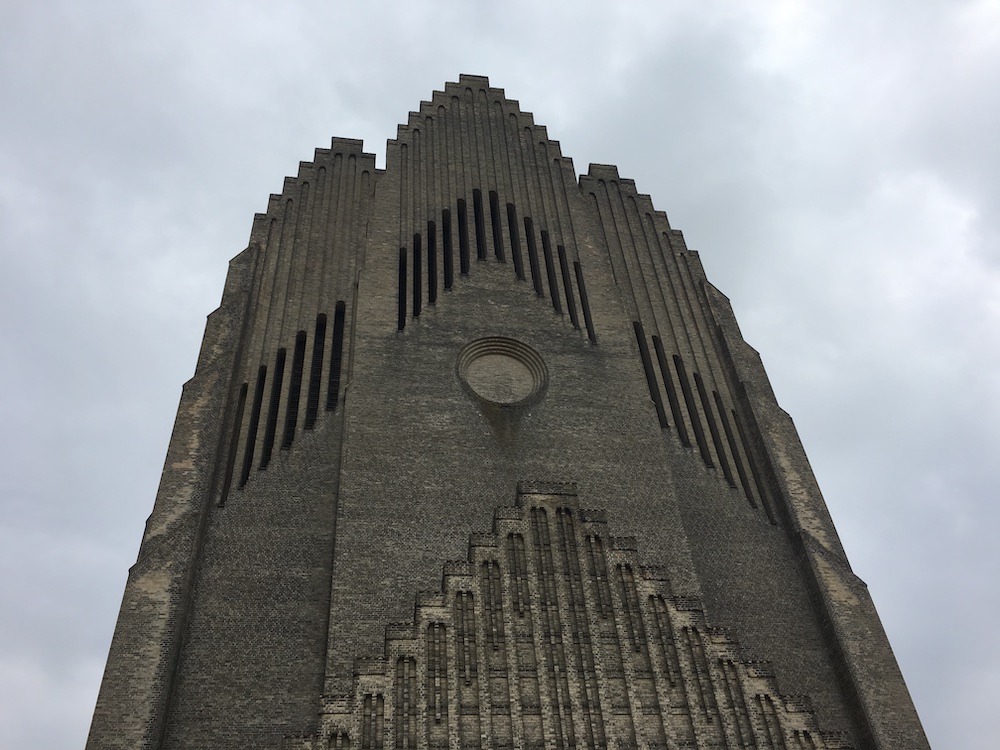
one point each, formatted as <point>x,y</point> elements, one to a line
<point>552,634</point>
<point>395,348</point>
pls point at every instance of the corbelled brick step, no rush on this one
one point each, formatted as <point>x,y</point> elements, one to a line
<point>553,629</point>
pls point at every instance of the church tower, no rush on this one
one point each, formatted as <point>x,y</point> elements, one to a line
<point>475,456</point>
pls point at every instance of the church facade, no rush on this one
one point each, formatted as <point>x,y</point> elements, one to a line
<point>475,456</point>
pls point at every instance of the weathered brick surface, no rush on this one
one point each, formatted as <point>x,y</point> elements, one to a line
<point>573,632</point>
<point>316,488</point>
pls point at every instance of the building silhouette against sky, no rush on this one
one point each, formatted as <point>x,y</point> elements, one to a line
<point>474,456</point>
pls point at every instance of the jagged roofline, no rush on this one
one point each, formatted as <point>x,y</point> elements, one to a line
<point>426,205</point>
<point>596,170</point>
<point>453,88</point>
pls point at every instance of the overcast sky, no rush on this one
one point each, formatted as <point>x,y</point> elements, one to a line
<point>836,164</point>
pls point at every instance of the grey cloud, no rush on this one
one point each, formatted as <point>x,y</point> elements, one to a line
<point>838,172</point>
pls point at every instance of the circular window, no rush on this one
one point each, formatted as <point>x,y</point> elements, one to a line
<point>501,370</point>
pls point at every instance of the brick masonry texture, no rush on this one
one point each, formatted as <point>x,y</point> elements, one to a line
<point>354,545</point>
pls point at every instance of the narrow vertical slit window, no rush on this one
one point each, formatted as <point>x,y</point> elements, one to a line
<point>463,237</point>
<point>477,207</point>
<point>668,386</point>
<point>647,366</point>
<point>336,356</point>
<point>584,302</point>
<point>401,293</point>
<point>432,267</point>
<point>294,390</point>
<point>449,261</point>
<point>515,241</point>
<point>417,273</point>
<point>258,400</point>
<point>550,273</point>
<point>437,680</point>
<point>495,221</point>
<point>568,286</point>
<point>757,478</point>
<point>734,448</point>
<point>272,409</point>
<point>692,409</point>
<point>234,443</point>
<point>536,274</point>
<point>316,372</point>
<point>713,428</point>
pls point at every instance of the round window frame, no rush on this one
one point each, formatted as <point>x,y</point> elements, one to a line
<point>506,347</point>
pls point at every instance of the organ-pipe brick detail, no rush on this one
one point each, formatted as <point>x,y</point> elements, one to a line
<point>679,656</point>
<point>396,354</point>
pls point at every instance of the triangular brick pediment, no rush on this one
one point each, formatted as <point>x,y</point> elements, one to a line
<point>552,634</point>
